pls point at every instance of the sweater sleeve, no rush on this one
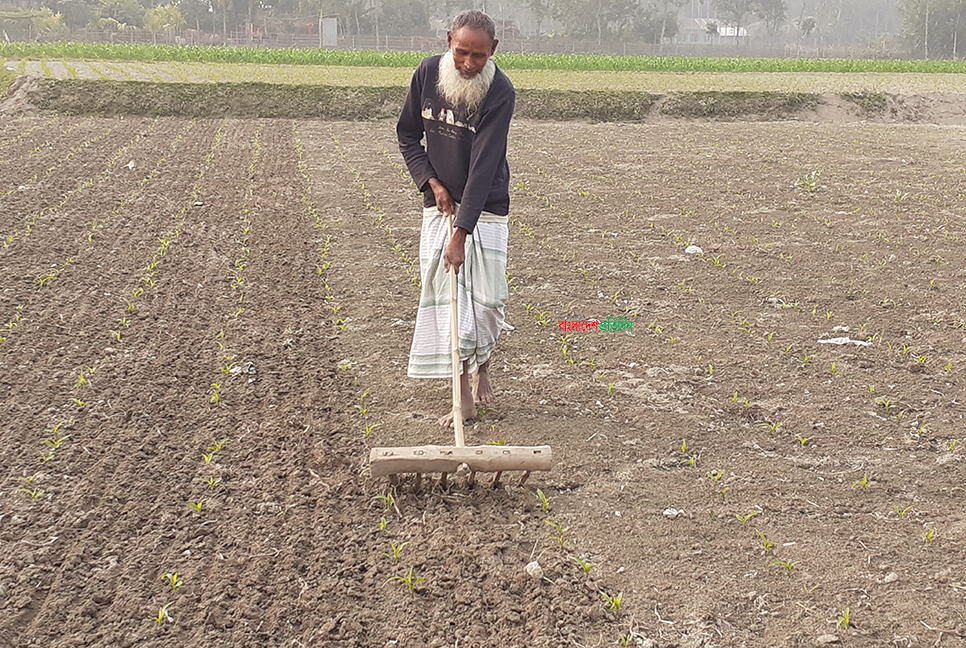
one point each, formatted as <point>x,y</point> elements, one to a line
<point>409,132</point>
<point>487,155</point>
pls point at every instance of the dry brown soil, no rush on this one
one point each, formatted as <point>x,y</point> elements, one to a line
<point>147,262</point>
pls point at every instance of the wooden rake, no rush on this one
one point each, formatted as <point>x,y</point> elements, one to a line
<point>460,458</point>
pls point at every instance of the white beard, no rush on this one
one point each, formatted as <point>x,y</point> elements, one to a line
<point>460,92</point>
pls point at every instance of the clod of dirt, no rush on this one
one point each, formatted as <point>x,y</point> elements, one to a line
<point>828,639</point>
<point>535,570</point>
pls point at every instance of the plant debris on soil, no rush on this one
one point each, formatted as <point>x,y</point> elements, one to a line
<point>205,326</point>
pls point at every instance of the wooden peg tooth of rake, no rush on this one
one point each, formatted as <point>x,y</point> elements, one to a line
<point>447,459</point>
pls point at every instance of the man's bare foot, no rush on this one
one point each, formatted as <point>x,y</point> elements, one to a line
<point>483,391</point>
<point>468,407</point>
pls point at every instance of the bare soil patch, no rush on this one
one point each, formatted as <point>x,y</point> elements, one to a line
<point>242,290</point>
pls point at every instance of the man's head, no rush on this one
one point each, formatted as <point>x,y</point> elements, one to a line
<point>466,71</point>
<point>472,42</point>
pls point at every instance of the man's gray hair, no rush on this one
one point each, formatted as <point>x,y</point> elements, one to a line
<point>476,20</point>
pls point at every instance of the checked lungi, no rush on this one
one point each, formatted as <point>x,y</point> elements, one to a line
<point>481,296</point>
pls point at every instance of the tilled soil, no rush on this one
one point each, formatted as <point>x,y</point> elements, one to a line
<point>206,326</point>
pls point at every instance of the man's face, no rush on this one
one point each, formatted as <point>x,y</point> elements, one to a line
<point>471,50</point>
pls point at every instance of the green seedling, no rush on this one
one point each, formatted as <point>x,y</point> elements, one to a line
<point>843,621</point>
<point>930,535</point>
<point>208,457</point>
<point>163,615</point>
<point>396,549</point>
<point>744,518</point>
<point>805,358</point>
<point>211,481</point>
<point>383,523</point>
<point>716,475</point>
<point>885,402</point>
<point>216,446</point>
<point>948,367</point>
<point>388,499</point>
<point>768,544</point>
<point>809,590</point>
<point>81,381</point>
<point>408,579</point>
<point>173,579</point>
<point>952,445</point>
<point>772,427</point>
<point>345,366</point>
<point>47,457</point>
<point>197,505</point>
<point>724,492</point>
<point>802,440</point>
<point>80,404</point>
<point>586,566</point>
<point>901,512</point>
<point>53,444</point>
<point>610,389</point>
<point>613,602</point>
<point>560,532</point>
<point>370,428</point>
<point>29,480</point>
<point>33,494</point>
<point>543,500</point>
<point>684,445</point>
<point>864,482</point>
<point>920,430</point>
<point>787,564</point>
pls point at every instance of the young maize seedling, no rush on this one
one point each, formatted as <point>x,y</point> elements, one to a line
<point>543,500</point>
<point>383,523</point>
<point>370,428</point>
<point>173,579</point>
<point>217,445</point>
<point>163,615</point>
<point>952,445</point>
<point>744,518</point>
<point>53,444</point>
<point>787,564</point>
<point>33,494</point>
<point>768,544</point>
<point>716,475</point>
<point>809,590</point>
<point>864,482</point>
<point>613,602</point>
<point>586,566</point>
<point>802,440</point>
<point>560,532</point>
<point>930,535</point>
<point>388,499</point>
<point>844,621</point>
<point>80,404</point>
<point>901,512</point>
<point>408,579</point>
<point>773,427</point>
<point>208,457</point>
<point>396,549</point>
<point>216,393</point>
<point>211,481</point>
<point>29,480</point>
<point>196,506</point>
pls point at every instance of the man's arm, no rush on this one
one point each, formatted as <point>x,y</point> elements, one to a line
<point>409,132</point>
<point>488,153</point>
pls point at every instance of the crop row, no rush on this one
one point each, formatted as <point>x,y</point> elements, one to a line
<point>204,53</point>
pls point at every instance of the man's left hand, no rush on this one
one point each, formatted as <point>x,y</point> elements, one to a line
<point>454,254</point>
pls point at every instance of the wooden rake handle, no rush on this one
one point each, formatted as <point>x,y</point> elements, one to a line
<point>454,334</point>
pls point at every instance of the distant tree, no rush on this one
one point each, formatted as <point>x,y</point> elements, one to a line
<point>772,12</point>
<point>126,12</point>
<point>77,13</point>
<point>165,18</point>
<point>193,11</point>
<point>734,13</point>
<point>596,18</point>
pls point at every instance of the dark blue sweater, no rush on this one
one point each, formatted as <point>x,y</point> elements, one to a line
<point>465,152</point>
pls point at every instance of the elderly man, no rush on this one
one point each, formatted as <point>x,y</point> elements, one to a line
<point>462,103</point>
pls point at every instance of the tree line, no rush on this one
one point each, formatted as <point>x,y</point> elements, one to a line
<point>926,28</point>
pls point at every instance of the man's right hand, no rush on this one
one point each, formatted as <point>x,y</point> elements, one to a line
<point>444,202</point>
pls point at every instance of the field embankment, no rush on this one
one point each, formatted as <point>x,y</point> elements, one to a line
<point>258,100</point>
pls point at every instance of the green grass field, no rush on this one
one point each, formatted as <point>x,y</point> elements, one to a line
<point>509,61</point>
